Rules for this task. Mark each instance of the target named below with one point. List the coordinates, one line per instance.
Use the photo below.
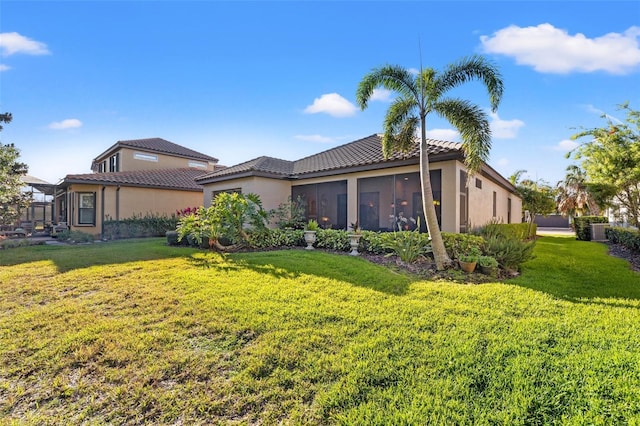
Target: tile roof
(160, 146)
(362, 152)
(181, 179)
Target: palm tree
(421, 94)
(574, 195)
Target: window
(102, 167)
(145, 157)
(394, 202)
(197, 164)
(478, 183)
(86, 208)
(114, 163)
(214, 194)
(324, 202)
(495, 203)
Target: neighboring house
(354, 182)
(134, 177)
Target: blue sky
(237, 80)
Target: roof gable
(160, 146)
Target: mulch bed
(618, 250)
(426, 269)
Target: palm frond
(391, 77)
(470, 68)
(473, 124)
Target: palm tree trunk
(437, 244)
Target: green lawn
(137, 332)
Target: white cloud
(504, 129)
(566, 145)
(383, 95)
(314, 138)
(69, 123)
(4, 67)
(443, 134)
(551, 50)
(11, 43)
(332, 104)
(503, 162)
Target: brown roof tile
(181, 179)
(160, 146)
(362, 152)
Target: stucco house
(133, 177)
(355, 182)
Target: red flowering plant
(186, 211)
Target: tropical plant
(407, 245)
(574, 196)
(12, 199)
(312, 225)
(419, 95)
(612, 157)
(290, 214)
(226, 223)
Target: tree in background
(425, 93)
(12, 199)
(612, 158)
(538, 197)
(575, 196)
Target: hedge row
(150, 225)
(582, 226)
(627, 237)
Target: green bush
(172, 238)
(149, 225)
(460, 244)
(275, 238)
(629, 238)
(75, 237)
(333, 239)
(407, 245)
(582, 226)
(517, 230)
(510, 252)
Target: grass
(138, 332)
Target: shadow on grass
(579, 271)
(70, 257)
(351, 269)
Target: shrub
(459, 244)
(333, 239)
(629, 238)
(226, 224)
(374, 242)
(290, 214)
(582, 226)
(275, 238)
(407, 245)
(149, 225)
(517, 230)
(172, 238)
(75, 237)
(487, 261)
(510, 252)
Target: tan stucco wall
(132, 201)
(272, 192)
(129, 163)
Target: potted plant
(488, 265)
(354, 239)
(310, 233)
(469, 260)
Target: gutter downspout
(102, 213)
